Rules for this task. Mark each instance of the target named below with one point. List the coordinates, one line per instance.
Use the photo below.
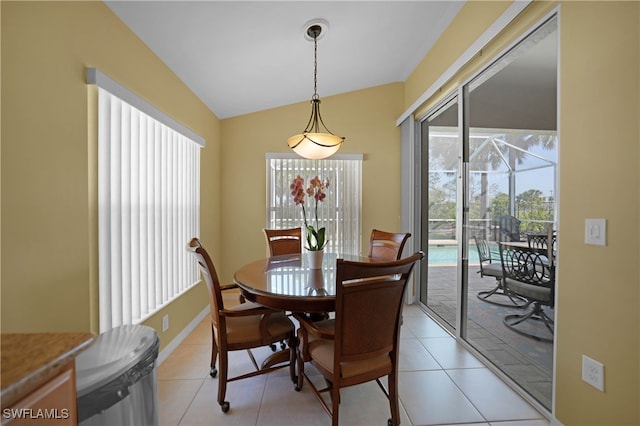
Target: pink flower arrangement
(316, 190)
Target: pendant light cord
(315, 67)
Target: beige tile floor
(440, 383)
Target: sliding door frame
(462, 215)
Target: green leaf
(320, 239)
(315, 239)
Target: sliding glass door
(440, 165)
(488, 175)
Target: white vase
(314, 259)
(315, 286)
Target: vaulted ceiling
(240, 57)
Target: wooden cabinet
(52, 403)
(39, 378)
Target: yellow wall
(365, 117)
(472, 20)
(48, 174)
(598, 298)
(48, 159)
(599, 178)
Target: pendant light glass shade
(316, 141)
(315, 146)
(312, 143)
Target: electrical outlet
(593, 373)
(165, 323)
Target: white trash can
(116, 378)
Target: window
(340, 212)
(148, 205)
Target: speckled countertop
(29, 358)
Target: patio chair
(361, 344)
(541, 241)
(490, 268)
(531, 275)
(506, 228)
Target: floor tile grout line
(191, 402)
(475, 407)
(430, 353)
(186, 410)
(446, 371)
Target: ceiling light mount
(316, 141)
(315, 29)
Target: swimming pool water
(449, 254)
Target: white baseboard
(164, 354)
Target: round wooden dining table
(288, 283)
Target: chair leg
(213, 372)
(292, 357)
(335, 405)
(499, 290)
(300, 364)
(537, 314)
(222, 381)
(393, 400)
(300, 376)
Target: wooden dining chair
(387, 246)
(242, 327)
(361, 343)
(284, 241)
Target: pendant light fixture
(316, 141)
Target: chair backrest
(387, 246)
(507, 228)
(369, 299)
(210, 277)
(541, 241)
(484, 253)
(528, 266)
(284, 241)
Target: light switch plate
(595, 232)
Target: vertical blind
(340, 212)
(148, 210)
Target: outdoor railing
(445, 229)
